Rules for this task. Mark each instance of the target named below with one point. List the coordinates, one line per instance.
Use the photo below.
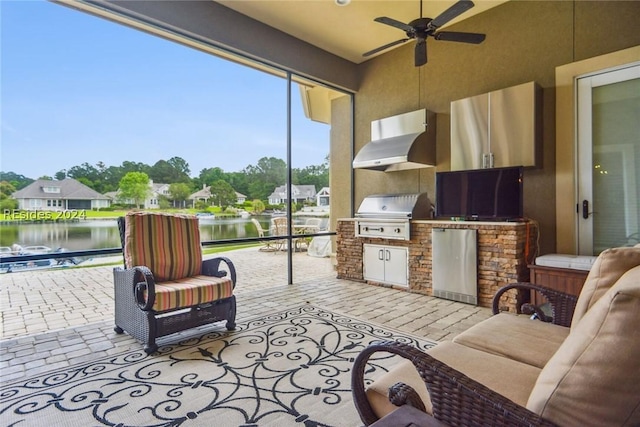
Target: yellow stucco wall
(525, 41)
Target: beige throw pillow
(606, 270)
(594, 377)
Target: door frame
(584, 158)
(566, 139)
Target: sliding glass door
(608, 159)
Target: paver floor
(56, 318)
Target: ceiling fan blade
(386, 46)
(397, 24)
(458, 8)
(420, 52)
(452, 36)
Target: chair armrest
(143, 280)
(211, 267)
(135, 280)
(456, 398)
(401, 394)
(562, 305)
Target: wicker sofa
(166, 286)
(581, 369)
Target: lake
(102, 234)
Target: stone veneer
(504, 251)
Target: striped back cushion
(168, 244)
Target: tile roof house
(61, 195)
(299, 193)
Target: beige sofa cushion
(606, 270)
(594, 377)
(507, 377)
(515, 336)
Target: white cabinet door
(386, 264)
(396, 265)
(373, 262)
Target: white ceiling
(346, 31)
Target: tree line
(255, 181)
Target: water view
(102, 234)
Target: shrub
(201, 205)
(8, 204)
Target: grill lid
(410, 206)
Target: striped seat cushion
(190, 291)
(168, 244)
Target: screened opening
(221, 136)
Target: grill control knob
(397, 230)
(366, 228)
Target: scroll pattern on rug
(290, 368)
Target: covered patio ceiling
(318, 39)
(350, 30)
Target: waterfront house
(299, 194)
(323, 198)
(156, 192)
(205, 194)
(67, 194)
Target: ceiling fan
(422, 28)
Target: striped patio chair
(165, 285)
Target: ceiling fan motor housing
(421, 28)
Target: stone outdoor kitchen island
(504, 250)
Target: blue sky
(77, 88)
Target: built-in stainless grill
(388, 216)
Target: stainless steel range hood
(406, 141)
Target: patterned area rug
(287, 369)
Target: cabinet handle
(487, 160)
(388, 254)
(381, 255)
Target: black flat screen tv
(480, 194)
